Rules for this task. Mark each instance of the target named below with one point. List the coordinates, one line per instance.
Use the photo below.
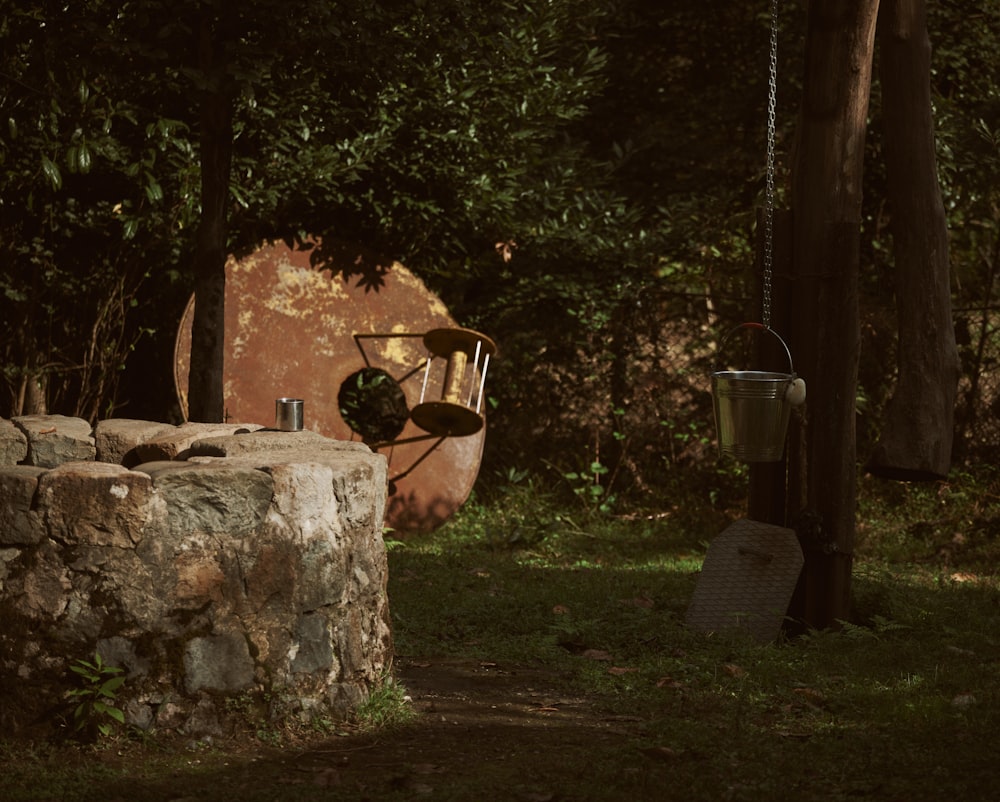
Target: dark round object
(373, 405)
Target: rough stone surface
(13, 443)
(20, 522)
(269, 440)
(117, 438)
(55, 439)
(256, 567)
(94, 503)
(175, 442)
(219, 498)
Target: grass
(901, 703)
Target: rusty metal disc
(299, 322)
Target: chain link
(769, 190)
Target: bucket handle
(757, 327)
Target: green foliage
(405, 135)
(386, 706)
(576, 178)
(83, 167)
(954, 522)
(95, 711)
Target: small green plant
(95, 711)
(386, 706)
(523, 518)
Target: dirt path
(485, 726)
(483, 731)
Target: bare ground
(482, 730)
(483, 725)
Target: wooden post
(825, 327)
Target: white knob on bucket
(795, 394)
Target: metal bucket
(751, 409)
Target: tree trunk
(205, 397)
(825, 330)
(918, 429)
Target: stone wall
(210, 562)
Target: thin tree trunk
(205, 395)
(825, 329)
(917, 433)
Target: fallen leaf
(639, 601)
(963, 700)
(596, 654)
(560, 609)
(669, 682)
(619, 670)
(734, 670)
(326, 778)
(798, 736)
(811, 697)
(427, 768)
(664, 753)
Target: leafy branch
(97, 696)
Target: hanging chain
(772, 92)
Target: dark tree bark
(824, 326)
(918, 428)
(205, 395)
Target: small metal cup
(288, 414)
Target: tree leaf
(52, 173)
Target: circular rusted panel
(290, 331)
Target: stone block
(218, 663)
(256, 566)
(213, 498)
(20, 523)
(95, 503)
(55, 439)
(359, 478)
(13, 443)
(117, 439)
(176, 442)
(270, 440)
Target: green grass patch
(900, 703)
